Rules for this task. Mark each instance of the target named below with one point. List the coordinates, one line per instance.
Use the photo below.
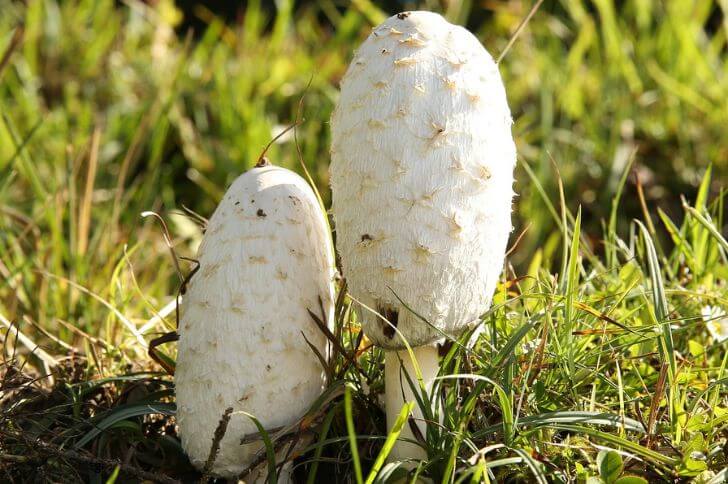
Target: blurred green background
(109, 109)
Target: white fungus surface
(421, 175)
(265, 259)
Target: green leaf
(610, 465)
(692, 467)
(630, 480)
(695, 348)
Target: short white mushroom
(266, 258)
(421, 176)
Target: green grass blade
(351, 431)
(570, 289)
(659, 301)
(124, 412)
(270, 451)
(402, 419)
(710, 226)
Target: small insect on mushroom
(245, 348)
(455, 133)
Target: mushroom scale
(265, 259)
(421, 178)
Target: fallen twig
(216, 439)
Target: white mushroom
(265, 259)
(421, 175)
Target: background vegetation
(111, 109)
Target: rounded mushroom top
(421, 178)
(265, 260)
(419, 54)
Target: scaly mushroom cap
(421, 175)
(265, 259)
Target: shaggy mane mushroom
(421, 177)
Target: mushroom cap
(265, 259)
(421, 178)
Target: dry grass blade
(519, 29)
(518, 240)
(350, 358)
(262, 160)
(326, 331)
(538, 362)
(167, 240)
(125, 321)
(91, 339)
(655, 405)
(50, 336)
(48, 361)
(324, 364)
(160, 315)
(155, 354)
(15, 42)
(84, 217)
(415, 429)
(300, 120)
(129, 157)
(196, 217)
(182, 290)
(603, 317)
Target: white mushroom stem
(397, 391)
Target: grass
(595, 361)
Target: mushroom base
(398, 364)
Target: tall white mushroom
(421, 175)
(265, 259)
